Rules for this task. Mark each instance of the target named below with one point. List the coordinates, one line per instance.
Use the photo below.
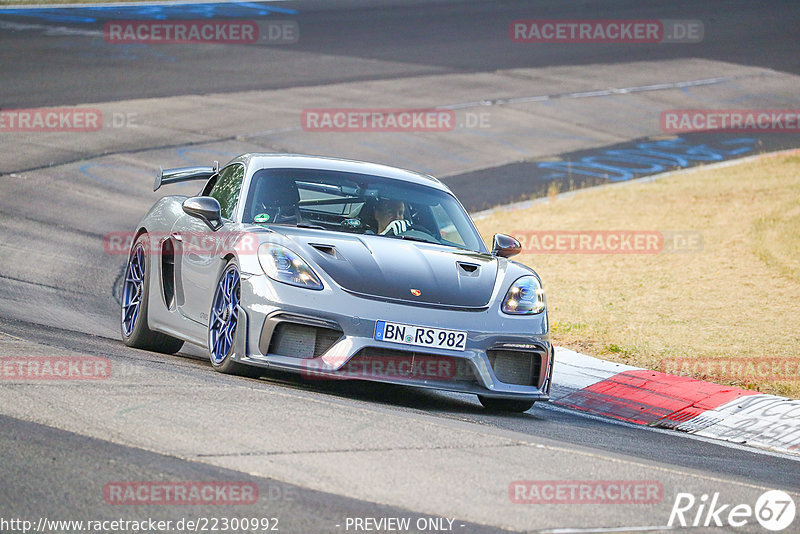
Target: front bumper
(505, 356)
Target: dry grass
(737, 298)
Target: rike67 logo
(774, 510)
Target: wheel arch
(141, 230)
(223, 262)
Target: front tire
(505, 405)
(135, 302)
(223, 323)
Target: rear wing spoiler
(184, 174)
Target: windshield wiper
(444, 244)
(412, 238)
(300, 225)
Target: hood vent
(330, 250)
(468, 269)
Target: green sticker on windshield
(261, 217)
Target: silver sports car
(336, 269)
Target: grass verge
(728, 313)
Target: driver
(389, 214)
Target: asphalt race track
(348, 41)
(322, 454)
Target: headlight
(283, 265)
(525, 297)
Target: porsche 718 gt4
(336, 269)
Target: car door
(199, 245)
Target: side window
(226, 189)
(447, 229)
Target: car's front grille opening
(521, 368)
(377, 362)
(302, 341)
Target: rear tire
(135, 302)
(223, 323)
(505, 405)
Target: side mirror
(206, 209)
(505, 246)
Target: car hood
(399, 269)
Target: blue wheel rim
(224, 315)
(133, 289)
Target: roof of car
(302, 161)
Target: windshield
(359, 204)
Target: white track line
(593, 93)
(713, 441)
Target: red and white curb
(646, 397)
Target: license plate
(420, 336)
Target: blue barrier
(620, 165)
(91, 14)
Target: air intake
(515, 367)
(302, 341)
